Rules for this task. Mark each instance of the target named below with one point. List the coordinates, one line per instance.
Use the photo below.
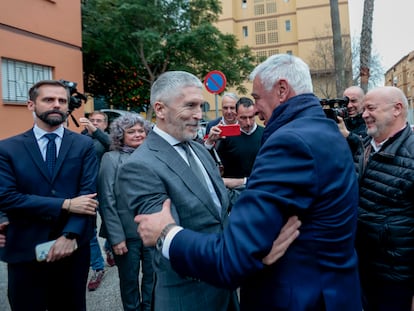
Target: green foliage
(147, 38)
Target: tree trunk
(365, 44)
(337, 48)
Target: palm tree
(337, 48)
(365, 43)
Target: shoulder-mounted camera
(335, 107)
(76, 98)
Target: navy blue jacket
(32, 200)
(303, 168)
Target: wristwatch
(161, 238)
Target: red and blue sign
(215, 82)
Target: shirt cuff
(168, 239)
(208, 146)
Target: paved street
(105, 298)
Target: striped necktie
(193, 164)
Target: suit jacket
(33, 200)
(303, 168)
(212, 123)
(117, 218)
(155, 172)
(101, 142)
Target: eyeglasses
(97, 120)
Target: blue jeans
(97, 261)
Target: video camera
(75, 100)
(335, 107)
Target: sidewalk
(105, 298)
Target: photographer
(95, 125)
(353, 128)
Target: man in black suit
(47, 191)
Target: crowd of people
(303, 213)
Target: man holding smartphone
(228, 109)
(238, 152)
(47, 191)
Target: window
(289, 52)
(261, 55)
(245, 31)
(271, 8)
(272, 37)
(18, 77)
(260, 26)
(259, 9)
(273, 52)
(287, 25)
(261, 39)
(244, 4)
(272, 24)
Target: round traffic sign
(215, 82)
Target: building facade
(40, 39)
(298, 27)
(401, 75)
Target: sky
(392, 26)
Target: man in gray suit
(168, 165)
(158, 170)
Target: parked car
(113, 114)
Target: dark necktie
(193, 164)
(51, 152)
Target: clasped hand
(151, 225)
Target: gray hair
(170, 84)
(231, 95)
(121, 124)
(284, 66)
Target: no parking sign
(215, 82)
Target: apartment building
(298, 27)
(401, 75)
(40, 39)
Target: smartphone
(230, 130)
(43, 249)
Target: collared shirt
(225, 123)
(173, 142)
(377, 147)
(251, 131)
(42, 140)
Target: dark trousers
(55, 286)
(128, 271)
(386, 296)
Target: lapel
(170, 157)
(66, 145)
(213, 173)
(33, 150)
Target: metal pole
(216, 100)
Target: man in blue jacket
(303, 168)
